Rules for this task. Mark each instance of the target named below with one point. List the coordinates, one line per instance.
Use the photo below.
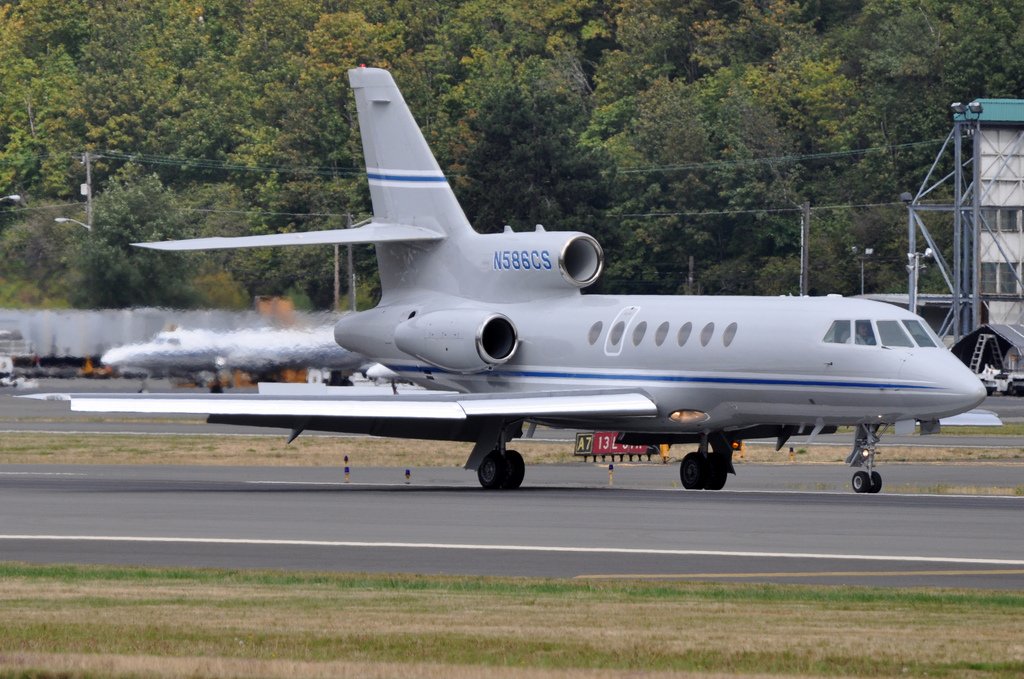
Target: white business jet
(186, 352)
(498, 324)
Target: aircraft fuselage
(742, 361)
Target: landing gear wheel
(876, 482)
(862, 482)
(715, 473)
(493, 470)
(515, 468)
(693, 471)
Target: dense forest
(668, 129)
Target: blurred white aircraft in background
(260, 352)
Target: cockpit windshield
(890, 333)
(863, 332)
(920, 334)
(838, 333)
(893, 335)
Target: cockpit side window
(919, 334)
(863, 332)
(838, 333)
(892, 334)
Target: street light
(64, 220)
(914, 267)
(867, 253)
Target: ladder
(979, 352)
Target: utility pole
(337, 283)
(689, 278)
(87, 188)
(351, 272)
(805, 239)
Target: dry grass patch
(330, 451)
(89, 620)
(307, 451)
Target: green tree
(110, 272)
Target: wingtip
(45, 397)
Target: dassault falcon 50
(497, 324)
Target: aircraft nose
(964, 384)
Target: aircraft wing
(443, 406)
(374, 232)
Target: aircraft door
(617, 331)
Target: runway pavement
(774, 523)
(561, 524)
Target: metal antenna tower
(984, 276)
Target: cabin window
(863, 333)
(729, 334)
(638, 333)
(616, 333)
(661, 333)
(919, 334)
(595, 332)
(838, 333)
(892, 335)
(706, 333)
(684, 333)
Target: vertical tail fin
(407, 185)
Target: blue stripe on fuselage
(682, 379)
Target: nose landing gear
(863, 455)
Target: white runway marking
(516, 548)
(42, 474)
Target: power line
(266, 213)
(751, 211)
(212, 164)
(712, 164)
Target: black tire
(715, 473)
(516, 470)
(876, 482)
(492, 471)
(693, 471)
(861, 482)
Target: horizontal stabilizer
(374, 232)
(425, 405)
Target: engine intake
(581, 261)
(460, 340)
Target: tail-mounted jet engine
(460, 340)
(533, 261)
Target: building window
(1007, 279)
(1007, 220)
(988, 278)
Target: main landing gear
(701, 469)
(863, 455)
(498, 470)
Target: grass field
(101, 621)
(76, 621)
(36, 448)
